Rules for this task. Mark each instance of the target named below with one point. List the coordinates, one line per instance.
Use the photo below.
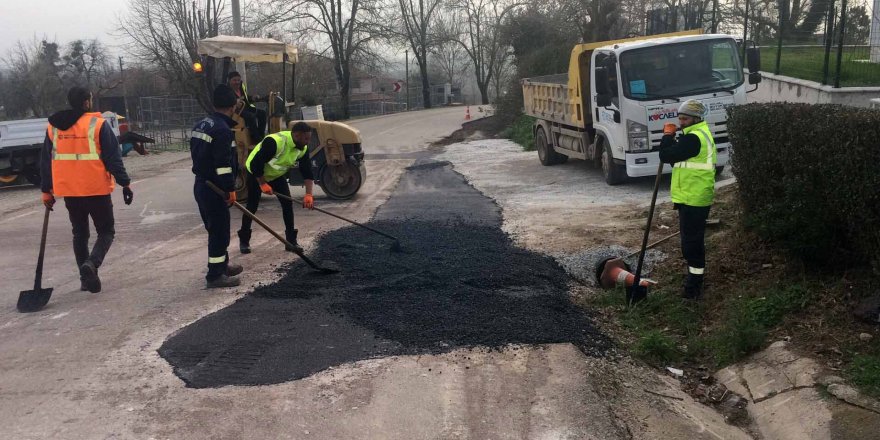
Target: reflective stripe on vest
(203, 136)
(93, 146)
(693, 180)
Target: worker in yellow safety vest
(693, 157)
(268, 166)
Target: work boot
(223, 281)
(233, 269)
(82, 285)
(88, 273)
(290, 235)
(693, 287)
(244, 241)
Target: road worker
(267, 166)
(211, 146)
(254, 118)
(80, 159)
(693, 156)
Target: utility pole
(236, 30)
(407, 80)
(124, 89)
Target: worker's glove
(266, 189)
(309, 202)
(48, 200)
(669, 129)
(127, 195)
(230, 199)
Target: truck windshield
(677, 70)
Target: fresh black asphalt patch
(460, 282)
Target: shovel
(312, 264)
(34, 300)
(395, 247)
(637, 292)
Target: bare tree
(481, 39)
(348, 28)
(88, 63)
(446, 52)
(165, 34)
(418, 18)
(34, 86)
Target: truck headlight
(637, 134)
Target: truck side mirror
(755, 78)
(603, 91)
(753, 59)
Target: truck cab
(629, 89)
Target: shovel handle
(339, 217)
(38, 279)
(256, 219)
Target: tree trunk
(345, 94)
(484, 91)
(426, 85)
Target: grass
(520, 131)
(864, 372)
(742, 309)
(667, 328)
(808, 63)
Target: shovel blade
(33, 300)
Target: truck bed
(550, 98)
(22, 133)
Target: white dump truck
(21, 142)
(611, 105)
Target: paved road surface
(87, 366)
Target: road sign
(397, 86)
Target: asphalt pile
(460, 282)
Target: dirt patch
(483, 128)
(462, 282)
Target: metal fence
(834, 42)
(169, 120)
(831, 43)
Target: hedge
(808, 178)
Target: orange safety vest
(77, 169)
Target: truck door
(609, 111)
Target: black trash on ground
(461, 283)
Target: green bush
(520, 131)
(808, 178)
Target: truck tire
(614, 174)
(546, 154)
(32, 175)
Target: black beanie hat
(224, 97)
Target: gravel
(584, 266)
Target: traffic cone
(615, 274)
(467, 114)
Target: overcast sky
(61, 20)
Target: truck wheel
(546, 154)
(32, 175)
(614, 174)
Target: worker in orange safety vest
(79, 161)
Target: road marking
(172, 240)
(19, 216)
